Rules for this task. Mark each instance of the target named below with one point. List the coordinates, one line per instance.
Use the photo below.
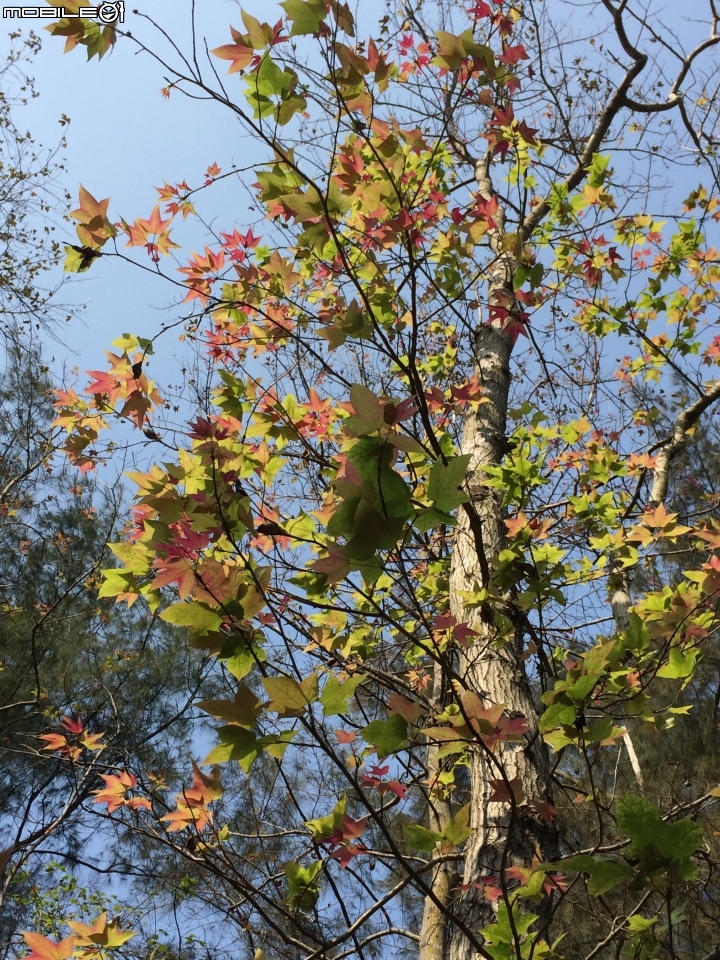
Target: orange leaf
(54, 741)
(45, 949)
(115, 789)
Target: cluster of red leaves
(192, 803)
(115, 791)
(81, 740)
(375, 778)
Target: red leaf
(74, 726)
(511, 55)
(546, 810)
(503, 792)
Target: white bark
(494, 671)
(490, 667)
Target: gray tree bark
(503, 834)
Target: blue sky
(123, 140)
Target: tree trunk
(434, 930)
(502, 836)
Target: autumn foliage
(437, 576)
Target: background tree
(32, 202)
(83, 688)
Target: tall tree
(402, 517)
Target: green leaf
(433, 518)
(458, 830)
(269, 79)
(369, 412)
(532, 888)
(502, 932)
(288, 108)
(606, 874)
(303, 884)
(275, 744)
(596, 657)
(335, 697)
(600, 730)
(243, 710)
(78, 261)
(257, 32)
(583, 687)
(197, 616)
(420, 838)
(237, 744)
(644, 825)
(639, 820)
(445, 480)
(323, 827)
(372, 458)
(681, 839)
(288, 697)
(117, 581)
(598, 169)
(342, 522)
(386, 736)
(558, 715)
(306, 16)
(679, 666)
(602, 874)
(373, 532)
(241, 663)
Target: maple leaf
(240, 53)
(335, 566)
(444, 622)
(504, 792)
(345, 853)
(512, 55)
(113, 793)
(42, 948)
(73, 726)
(55, 741)
(480, 10)
(93, 741)
(93, 229)
(464, 633)
(192, 803)
(407, 709)
(492, 892)
(345, 736)
(471, 392)
(136, 407)
(374, 778)
(341, 840)
(546, 810)
(99, 934)
(711, 535)
(141, 230)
